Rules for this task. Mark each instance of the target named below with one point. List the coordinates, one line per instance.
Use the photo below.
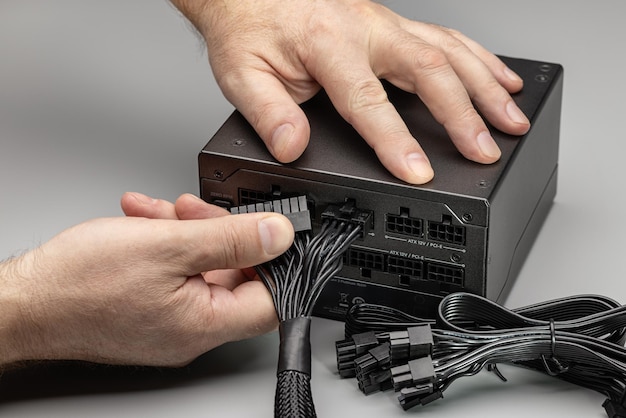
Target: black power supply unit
(469, 229)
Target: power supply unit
(469, 229)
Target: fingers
(235, 241)
(417, 66)
(140, 205)
(450, 76)
(245, 312)
(505, 76)
(187, 206)
(271, 110)
(361, 99)
(486, 78)
(213, 239)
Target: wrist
(13, 346)
(204, 14)
(191, 8)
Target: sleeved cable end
(294, 208)
(348, 212)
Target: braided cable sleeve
(293, 395)
(293, 387)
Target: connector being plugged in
(294, 208)
(348, 212)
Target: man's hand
(268, 56)
(159, 287)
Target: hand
(268, 56)
(130, 290)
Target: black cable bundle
(295, 281)
(578, 339)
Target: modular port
(445, 231)
(405, 267)
(251, 197)
(404, 224)
(365, 259)
(445, 274)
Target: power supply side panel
(523, 198)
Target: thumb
(234, 241)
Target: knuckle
(260, 115)
(234, 246)
(430, 60)
(453, 33)
(490, 93)
(461, 113)
(366, 96)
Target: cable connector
(372, 364)
(349, 349)
(378, 381)
(416, 372)
(294, 208)
(418, 395)
(348, 212)
(415, 342)
(614, 409)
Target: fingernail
(515, 113)
(420, 166)
(488, 146)
(512, 75)
(282, 137)
(275, 238)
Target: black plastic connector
(349, 349)
(416, 341)
(614, 409)
(416, 372)
(371, 368)
(375, 358)
(348, 212)
(418, 395)
(294, 208)
(376, 382)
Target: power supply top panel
(336, 149)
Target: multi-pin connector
(294, 208)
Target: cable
(579, 339)
(295, 281)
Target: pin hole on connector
(349, 212)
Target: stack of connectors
(579, 339)
(371, 357)
(295, 280)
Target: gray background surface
(101, 97)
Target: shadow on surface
(71, 378)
